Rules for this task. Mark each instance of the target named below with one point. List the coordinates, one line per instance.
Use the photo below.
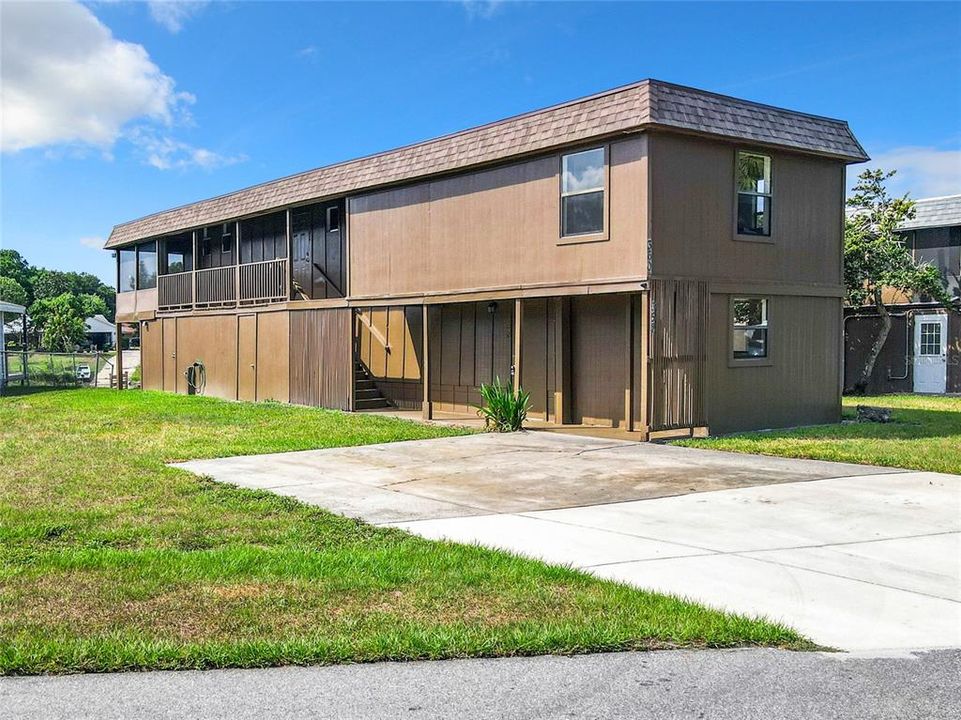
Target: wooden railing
(215, 287)
(255, 283)
(263, 282)
(175, 291)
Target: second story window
(753, 185)
(582, 193)
(147, 266)
(127, 275)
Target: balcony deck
(249, 284)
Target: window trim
(734, 362)
(604, 234)
(746, 237)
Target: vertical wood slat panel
(678, 343)
(320, 358)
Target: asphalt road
(670, 684)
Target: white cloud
(164, 152)
(172, 14)
(92, 242)
(68, 84)
(66, 79)
(922, 171)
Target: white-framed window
(754, 194)
(930, 338)
(749, 332)
(583, 176)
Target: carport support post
(426, 408)
(118, 365)
(518, 319)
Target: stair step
(368, 394)
(365, 385)
(371, 404)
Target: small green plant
(503, 410)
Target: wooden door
(247, 357)
(171, 365)
(599, 359)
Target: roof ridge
(742, 101)
(938, 197)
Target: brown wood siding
(468, 346)
(395, 366)
(171, 376)
(321, 366)
(954, 352)
(151, 355)
(894, 368)
(273, 356)
(538, 366)
(692, 215)
(599, 359)
(213, 341)
(800, 386)
(680, 315)
(247, 357)
(496, 228)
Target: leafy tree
(51, 284)
(63, 328)
(12, 292)
(14, 266)
(875, 257)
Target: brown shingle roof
(631, 108)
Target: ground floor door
(600, 359)
(930, 353)
(170, 354)
(247, 357)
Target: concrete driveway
(855, 557)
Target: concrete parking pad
(855, 557)
(503, 473)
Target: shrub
(503, 409)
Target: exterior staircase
(366, 394)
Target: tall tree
(12, 292)
(875, 258)
(14, 266)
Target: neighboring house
(653, 258)
(11, 325)
(101, 333)
(923, 350)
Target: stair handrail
(373, 331)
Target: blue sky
(152, 105)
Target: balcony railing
(257, 283)
(263, 282)
(175, 291)
(215, 287)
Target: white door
(930, 353)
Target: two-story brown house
(923, 350)
(654, 258)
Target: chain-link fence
(37, 368)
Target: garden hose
(196, 376)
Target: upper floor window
(749, 338)
(582, 193)
(127, 277)
(147, 266)
(333, 218)
(754, 190)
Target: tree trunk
(878, 342)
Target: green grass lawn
(110, 560)
(925, 435)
